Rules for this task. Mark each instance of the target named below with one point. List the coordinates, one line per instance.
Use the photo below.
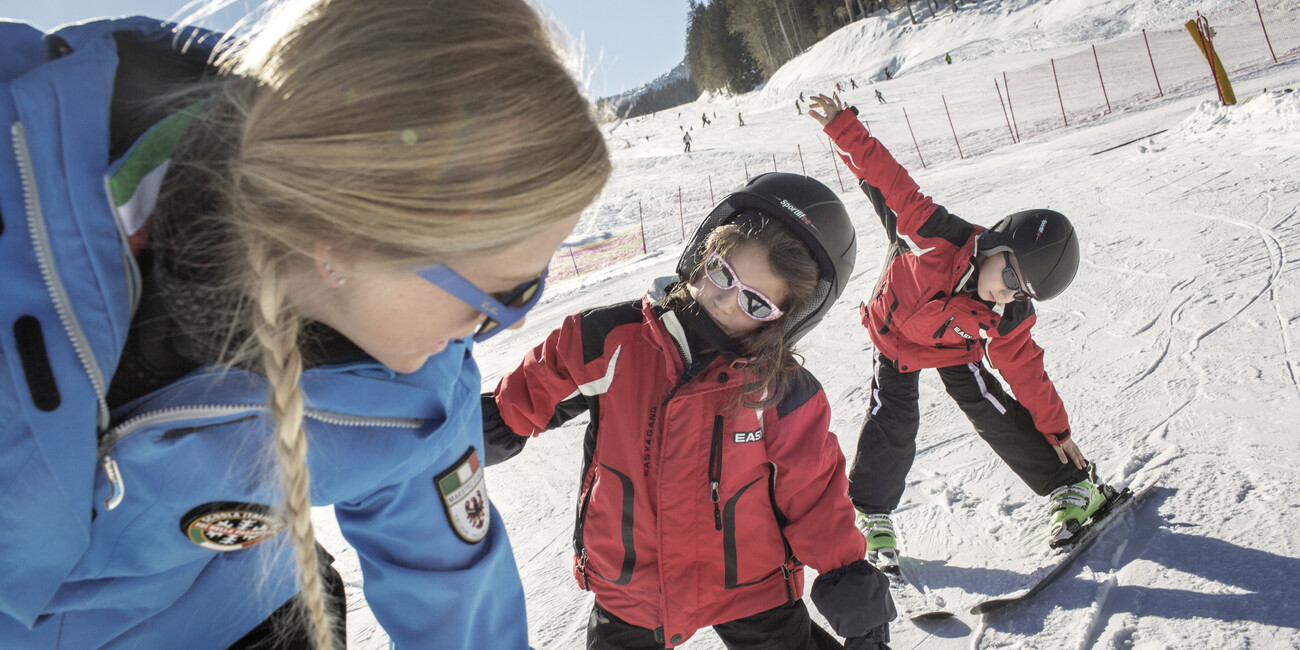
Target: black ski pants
(787, 627)
(887, 441)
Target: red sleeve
(1020, 361)
(549, 374)
(870, 161)
(812, 486)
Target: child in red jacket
(950, 293)
(710, 476)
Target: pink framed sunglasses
(755, 305)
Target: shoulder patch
(464, 497)
(946, 226)
(599, 322)
(798, 390)
(1014, 315)
(230, 526)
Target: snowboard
(1114, 509)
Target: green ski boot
(882, 546)
(1071, 506)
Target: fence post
(1004, 110)
(680, 212)
(747, 171)
(801, 165)
(914, 144)
(641, 212)
(1058, 93)
(575, 262)
(953, 128)
(711, 199)
(1261, 26)
(1099, 78)
(774, 163)
(1010, 106)
(1153, 63)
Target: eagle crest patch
(463, 490)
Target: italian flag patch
(463, 490)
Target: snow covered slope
(1177, 349)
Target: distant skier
(952, 293)
(838, 87)
(741, 119)
(888, 74)
(797, 107)
(852, 83)
(704, 119)
(880, 98)
(687, 139)
(947, 58)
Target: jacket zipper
(50, 274)
(715, 470)
(180, 413)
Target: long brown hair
(771, 359)
(415, 130)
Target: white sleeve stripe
(600, 386)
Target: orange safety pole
(575, 261)
(1004, 110)
(680, 212)
(837, 170)
(746, 171)
(1010, 106)
(1103, 81)
(1058, 93)
(774, 163)
(1153, 63)
(641, 211)
(1261, 26)
(914, 144)
(711, 199)
(953, 128)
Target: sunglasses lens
(755, 305)
(487, 329)
(718, 272)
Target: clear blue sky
(628, 42)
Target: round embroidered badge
(227, 526)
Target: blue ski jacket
(154, 525)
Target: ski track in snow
(1174, 350)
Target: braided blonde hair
(413, 130)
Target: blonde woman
(243, 278)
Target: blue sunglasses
(502, 309)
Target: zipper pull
(713, 496)
(582, 569)
(115, 481)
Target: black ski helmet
(1045, 246)
(813, 213)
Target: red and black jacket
(692, 510)
(921, 314)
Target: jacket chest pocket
(945, 324)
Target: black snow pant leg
(1008, 428)
(608, 632)
(786, 627)
(887, 441)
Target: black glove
(876, 639)
(855, 600)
